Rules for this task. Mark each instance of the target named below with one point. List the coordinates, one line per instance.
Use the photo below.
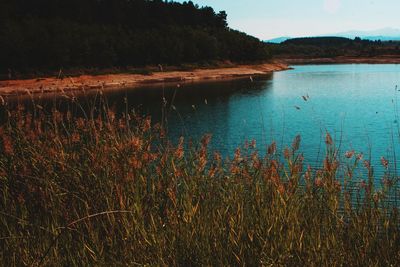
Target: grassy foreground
(113, 191)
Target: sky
(267, 19)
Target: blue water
(356, 104)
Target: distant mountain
(277, 40)
(382, 38)
(384, 34)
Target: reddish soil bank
(118, 81)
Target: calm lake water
(356, 104)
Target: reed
(113, 190)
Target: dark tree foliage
(313, 47)
(53, 34)
(319, 41)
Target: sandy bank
(390, 59)
(118, 81)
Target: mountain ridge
(383, 34)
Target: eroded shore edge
(120, 81)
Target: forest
(330, 47)
(47, 35)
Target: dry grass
(113, 191)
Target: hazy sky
(268, 19)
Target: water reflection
(191, 110)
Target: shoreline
(126, 80)
(91, 82)
(390, 59)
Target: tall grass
(107, 190)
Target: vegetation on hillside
(53, 34)
(107, 190)
(317, 47)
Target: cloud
(332, 6)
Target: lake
(356, 104)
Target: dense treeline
(333, 47)
(53, 34)
(319, 41)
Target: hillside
(332, 47)
(52, 34)
(383, 34)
